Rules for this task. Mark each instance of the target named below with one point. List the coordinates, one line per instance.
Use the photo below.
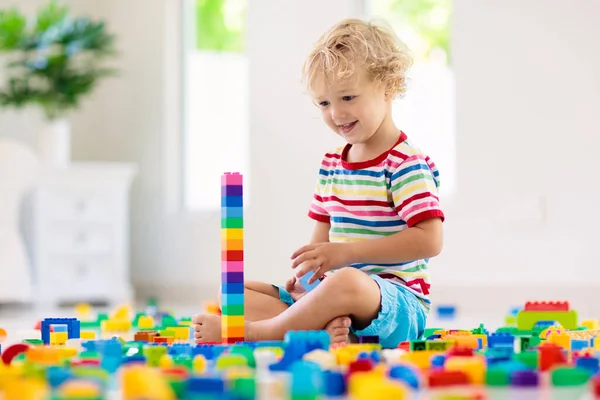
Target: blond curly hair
(354, 42)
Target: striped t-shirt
(379, 197)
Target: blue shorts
(401, 317)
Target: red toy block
(11, 352)
(232, 255)
(404, 346)
(461, 351)
(362, 365)
(596, 386)
(547, 306)
(551, 355)
(439, 378)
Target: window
(426, 113)
(215, 83)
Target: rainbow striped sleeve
(414, 185)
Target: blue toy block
(298, 343)
(501, 340)
(60, 328)
(335, 384)
(231, 298)
(73, 328)
(232, 287)
(232, 201)
(579, 344)
(304, 281)
(232, 212)
(446, 311)
(406, 374)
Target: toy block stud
(232, 258)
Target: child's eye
(348, 98)
(323, 104)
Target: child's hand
(320, 258)
(294, 288)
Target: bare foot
(207, 328)
(339, 329)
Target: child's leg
(261, 301)
(346, 292)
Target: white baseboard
(479, 300)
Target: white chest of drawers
(81, 234)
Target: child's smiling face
(354, 108)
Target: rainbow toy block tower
(232, 258)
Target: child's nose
(337, 113)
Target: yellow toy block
(232, 321)
(560, 339)
(79, 389)
(122, 312)
(373, 386)
(181, 332)
(146, 322)
(420, 359)
(87, 335)
(20, 389)
(469, 341)
(142, 382)
(115, 325)
(83, 311)
(199, 364)
(347, 354)
(232, 234)
(58, 338)
(591, 324)
(474, 367)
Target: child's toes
(198, 319)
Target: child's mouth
(347, 127)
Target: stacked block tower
(232, 258)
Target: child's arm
(423, 240)
(320, 232)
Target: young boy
(376, 207)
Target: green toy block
(233, 309)
(437, 345)
(418, 345)
(528, 319)
(235, 223)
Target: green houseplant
(53, 61)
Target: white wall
(528, 95)
(527, 99)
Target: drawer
(61, 205)
(75, 238)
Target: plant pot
(55, 143)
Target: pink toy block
(232, 266)
(232, 178)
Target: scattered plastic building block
(368, 339)
(73, 328)
(526, 320)
(232, 258)
(304, 281)
(446, 311)
(547, 306)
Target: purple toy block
(232, 277)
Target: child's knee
(348, 280)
